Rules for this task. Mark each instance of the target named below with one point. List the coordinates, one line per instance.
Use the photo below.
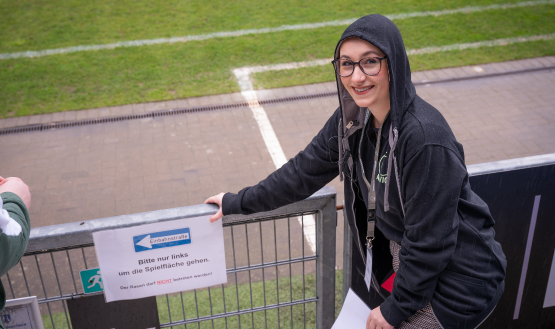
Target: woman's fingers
(376, 320)
(369, 323)
(217, 216)
(217, 199)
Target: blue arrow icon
(163, 239)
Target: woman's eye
(370, 61)
(347, 63)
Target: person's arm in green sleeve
(15, 226)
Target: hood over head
(384, 34)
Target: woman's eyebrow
(364, 54)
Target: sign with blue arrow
(163, 239)
(128, 272)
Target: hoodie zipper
(356, 227)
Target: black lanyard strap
(371, 218)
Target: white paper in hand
(354, 313)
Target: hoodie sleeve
(432, 181)
(299, 178)
(15, 228)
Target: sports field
(87, 54)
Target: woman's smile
(362, 90)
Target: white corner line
(270, 139)
(238, 33)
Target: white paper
(354, 313)
(161, 258)
(368, 272)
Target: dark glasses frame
(337, 68)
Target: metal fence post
(325, 273)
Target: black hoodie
(424, 202)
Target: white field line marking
(489, 43)
(238, 33)
(270, 139)
(243, 74)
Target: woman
(430, 228)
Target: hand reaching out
(18, 187)
(217, 199)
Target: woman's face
(367, 91)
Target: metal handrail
(61, 236)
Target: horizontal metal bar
(241, 312)
(47, 251)
(66, 297)
(80, 233)
(272, 264)
(260, 217)
(512, 164)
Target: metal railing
(276, 277)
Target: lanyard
(371, 218)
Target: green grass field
(300, 316)
(120, 76)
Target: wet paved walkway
(111, 169)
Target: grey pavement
(111, 169)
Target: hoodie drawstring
(340, 139)
(393, 137)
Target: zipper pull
(350, 124)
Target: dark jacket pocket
(461, 293)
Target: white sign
(161, 258)
(22, 313)
(354, 313)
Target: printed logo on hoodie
(382, 169)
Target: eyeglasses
(369, 66)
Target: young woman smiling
(414, 217)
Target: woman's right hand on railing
(217, 199)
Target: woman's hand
(18, 187)
(217, 199)
(376, 320)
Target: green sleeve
(12, 247)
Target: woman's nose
(358, 75)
